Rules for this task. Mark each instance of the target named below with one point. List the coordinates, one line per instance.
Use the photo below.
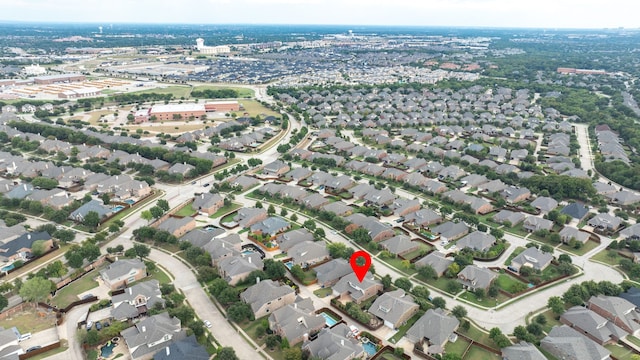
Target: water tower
(199, 44)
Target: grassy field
(225, 209)
(186, 211)
(255, 108)
(588, 246)
(458, 347)
(167, 129)
(478, 353)
(551, 320)
(603, 256)
(485, 301)
(30, 320)
(95, 115)
(160, 275)
(242, 92)
(177, 91)
(506, 282)
(69, 293)
(619, 352)
(323, 292)
(403, 329)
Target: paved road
(67, 330)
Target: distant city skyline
(549, 14)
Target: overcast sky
(485, 13)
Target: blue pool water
(117, 208)
(107, 350)
(370, 348)
(130, 201)
(247, 252)
(328, 319)
(8, 267)
(289, 264)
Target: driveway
(42, 338)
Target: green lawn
(458, 347)
(225, 209)
(397, 263)
(619, 352)
(603, 256)
(63, 347)
(551, 320)
(177, 91)
(254, 108)
(186, 211)
(160, 275)
(507, 282)
(69, 293)
(323, 292)
(121, 214)
(30, 320)
(242, 92)
(422, 249)
(515, 253)
(228, 218)
(404, 328)
(440, 283)
(478, 353)
(250, 328)
(588, 246)
(634, 340)
(478, 336)
(485, 301)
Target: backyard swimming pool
(289, 264)
(370, 348)
(8, 267)
(328, 319)
(107, 349)
(130, 201)
(117, 208)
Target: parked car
(25, 336)
(207, 323)
(33, 348)
(87, 296)
(207, 184)
(106, 324)
(89, 324)
(98, 326)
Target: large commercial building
(174, 111)
(221, 106)
(62, 78)
(212, 50)
(82, 92)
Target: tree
(239, 312)
(453, 286)
(3, 302)
(292, 353)
(386, 281)
(163, 204)
(227, 353)
(146, 215)
(92, 219)
(156, 212)
(93, 338)
(283, 212)
(318, 233)
(75, 260)
(297, 272)
(38, 248)
(459, 312)
(403, 283)
(272, 341)
(540, 319)
(310, 225)
(556, 304)
(271, 210)
(294, 217)
(427, 272)
(258, 205)
(141, 250)
(36, 289)
(439, 302)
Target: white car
(207, 323)
(24, 337)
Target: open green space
(507, 282)
(250, 327)
(186, 211)
(458, 347)
(422, 249)
(323, 292)
(588, 246)
(552, 320)
(619, 352)
(253, 108)
(478, 353)
(242, 92)
(225, 209)
(30, 320)
(177, 91)
(485, 301)
(69, 293)
(634, 340)
(160, 275)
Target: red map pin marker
(357, 266)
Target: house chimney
(29, 236)
(258, 280)
(342, 342)
(130, 291)
(168, 351)
(249, 259)
(144, 329)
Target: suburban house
(249, 216)
(423, 218)
(450, 231)
(339, 208)
(244, 182)
(178, 226)
(632, 295)
(533, 223)
(513, 195)
(9, 347)
(136, 300)
(276, 168)
(531, 257)
(477, 240)
(592, 325)
(208, 203)
(201, 237)
(605, 222)
(151, 335)
(631, 233)
(522, 351)
(400, 245)
(394, 308)
(123, 272)
(270, 226)
(508, 216)
(187, 348)
(544, 204)
(308, 253)
(564, 342)
(568, 233)
(377, 230)
(19, 248)
(330, 272)
(433, 330)
(403, 207)
(336, 343)
(94, 205)
(292, 238)
(234, 269)
(268, 296)
(473, 277)
(617, 310)
(349, 288)
(437, 261)
(220, 248)
(576, 211)
(296, 321)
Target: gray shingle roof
(263, 292)
(566, 343)
(434, 326)
(392, 306)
